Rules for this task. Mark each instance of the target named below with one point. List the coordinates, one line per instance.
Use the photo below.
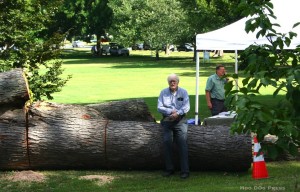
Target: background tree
(208, 15)
(268, 65)
(154, 22)
(70, 19)
(99, 18)
(81, 19)
(22, 45)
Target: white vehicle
(78, 44)
(118, 50)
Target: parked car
(171, 47)
(78, 44)
(185, 47)
(138, 46)
(106, 48)
(118, 50)
(146, 46)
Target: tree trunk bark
(127, 110)
(14, 89)
(215, 148)
(13, 142)
(60, 136)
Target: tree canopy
(171, 21)
(175, 21)
(208, 15)
(23, 46)
(155, 22)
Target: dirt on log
(13, 89)
(58, 136)
(126, 110)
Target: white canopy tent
(234, 36)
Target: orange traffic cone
(259, 170)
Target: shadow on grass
(86, 55)
(120, 61)
(72, 56)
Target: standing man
(215, 93)
(173, 104)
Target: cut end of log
(15, 91)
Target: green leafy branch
(269, 65)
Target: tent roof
(234, 36)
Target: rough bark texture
(13, 89)
(127, 110)
(72, 136)
(13, 143)
(65, 136)
(218, 121)
(214, 148)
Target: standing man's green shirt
(214, 91)
(215, 85)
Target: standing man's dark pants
(217, 106)
(178, 131)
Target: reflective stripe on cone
(259, 169)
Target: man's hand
(209, 105)
(174, 114)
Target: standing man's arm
(208, 88)
(207, 94)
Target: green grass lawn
(101, 79)
(284, 176)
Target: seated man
(173, 104)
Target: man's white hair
(173, 76)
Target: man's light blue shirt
(168, 101)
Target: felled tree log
(65, 136)
(127, 110)
(13, 142)
(13, 88)
(72, 136)
(213, 147)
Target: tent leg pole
(236, 80)
(197, 88)
(236, 72)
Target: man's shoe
(168, 173)
(184, 175)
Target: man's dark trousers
(176, 130)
